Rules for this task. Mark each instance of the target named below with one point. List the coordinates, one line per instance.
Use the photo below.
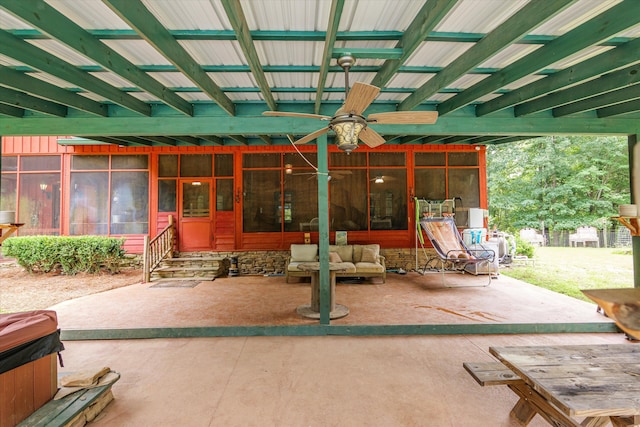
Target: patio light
(347, 129)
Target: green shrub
(524, 248)
(69, 255)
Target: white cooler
(474, 236)
(484, 268)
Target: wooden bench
(74, 410)
(491, 373)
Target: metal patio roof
(201, 72)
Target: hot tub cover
(27, 336)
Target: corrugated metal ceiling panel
(576, 14)
(437, 54)
(200, 15)
(90, 14)
(376, 15)
(139, 52)
(62, 51)
(473, 16)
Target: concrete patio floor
(312, 380)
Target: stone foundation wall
(274, 262)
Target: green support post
(323, 229)
(634, 186)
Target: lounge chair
(452, 253)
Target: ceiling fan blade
(371, 137)
(289, 114)
(312, 136)
(405, 117)
(360, 96)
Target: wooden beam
(607, 24)
(327, 53)
(532, 15)
(39, 59)
(41, 15)
(243, 33)
(134, 13)
(621, 56)
(22, 100)
(430, 15)
(625, 94)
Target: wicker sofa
(357, 260)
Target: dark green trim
(599, 101)
(243, 33)
(607, 24)
(430, 15)
(530, 16)
(337, 330)
(22, 100)
(617, 109)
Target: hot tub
(29, 343)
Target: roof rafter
(41, 15)
(134, 13)
(330, 39)
(23, 100)
(625, 54)
(42, 89)
(530, 16)
(603, 26)
(621, 108)
(599, 101)
(9, 110)
(430, 15)
(26, 53)
(243, 33)
(609, 82)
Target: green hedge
(69, 255)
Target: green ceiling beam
(239, 139)
(599, 101)
(327, 53)
(609, 82)
(367, 53)
(258, 125)
(430, 15)
(22, 100)
(241, 27)
(41, 15)
(618, 109)
(612, 21)
(40, 60)
(513, 139)
(134, 13)
(161, 140)
(530, 16)
(214, 140)
(187, 140)
(456, 139)
(42, 89)
(91, 141)
(11, 111)
(280, 35)
(621, 56)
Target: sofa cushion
(369, 255)
(369, 267)
(357, 252)
(334, 257)
(304, 253)
(345, 252)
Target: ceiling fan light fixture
(379, 180)
(288, 169)
(347, 129)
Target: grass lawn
(567, 270)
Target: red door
(195, 215)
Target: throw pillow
(369, 255)
(334, 257)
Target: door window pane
(89, 204)
(192, 165)
(129, 202)
(195, 199)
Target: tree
(561, 182)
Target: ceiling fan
(338, 173)
(348, 122)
